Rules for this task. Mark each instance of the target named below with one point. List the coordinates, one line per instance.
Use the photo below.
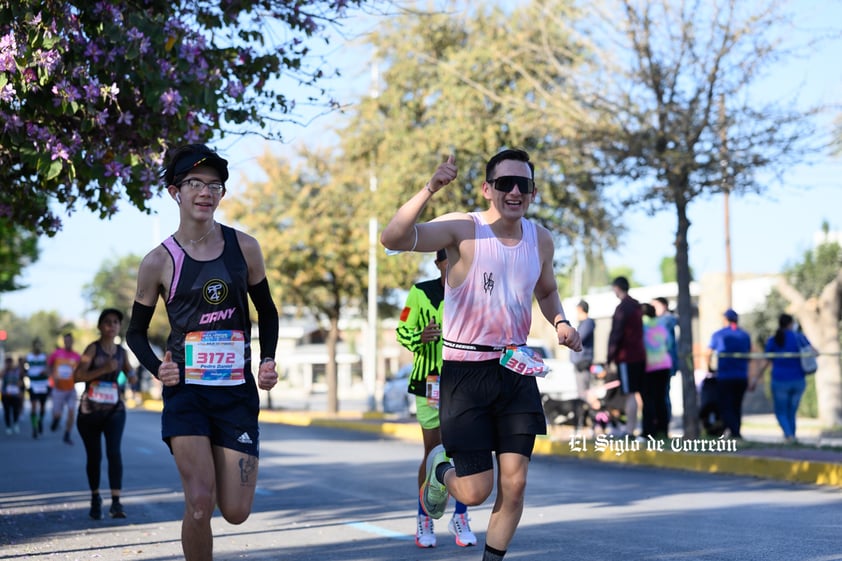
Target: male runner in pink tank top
(497, 262)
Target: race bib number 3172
(214, 358)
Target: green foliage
(763, 322)
(113, 286)
(817, 269)
(623, 271)
(18, 250)
(669, 272)
(312, 225)
(449, 89)
(92, 93)
(809, 406)
(46, 326)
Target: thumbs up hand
(445, 173)
(267, 375)
(168, 371)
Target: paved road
(329, 494)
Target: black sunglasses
(506, 183)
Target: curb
(744, 464)
(793, 471)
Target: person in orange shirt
(61, 363)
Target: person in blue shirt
(729, 344)
(788, 377)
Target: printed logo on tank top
(215, 291)
(487, 282)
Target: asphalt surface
(344, 489)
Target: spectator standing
(62, 363)
(788, 377)
(583, 360)
(39, 386)
(731, 345)
(656, 380)
(12, 393)
(669, 320)
(626, 349)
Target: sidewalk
(816, 459)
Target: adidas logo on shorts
(245, 439)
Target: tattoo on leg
(247, 466)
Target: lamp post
(726, 187)
(370, 363)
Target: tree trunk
(826, 340)
(330, 368)
(685, 324)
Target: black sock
(441, 469)
(491, 554)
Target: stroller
(601, 409)
(605, 401)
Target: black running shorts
(226, 415)
(484, 408)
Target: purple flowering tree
(93, 92)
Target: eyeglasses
(506, 183)
(197, 185)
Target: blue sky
(768, 232)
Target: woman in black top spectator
(101, 409)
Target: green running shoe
(434, 494)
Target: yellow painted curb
(795, 471)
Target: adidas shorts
(226, 415)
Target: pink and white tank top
(493, 306)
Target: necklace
(212, 228)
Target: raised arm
(402, 233)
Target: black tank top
(209, 296)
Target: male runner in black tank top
(205, 273)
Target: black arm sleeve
(138, 337)
(267, 318)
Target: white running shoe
(424, 535)
(461, 530)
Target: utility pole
(726, 190)
(370, 362)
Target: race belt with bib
(214, 358)
(39, 386)
(517, 358)
(106, 393)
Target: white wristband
(415, 243)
